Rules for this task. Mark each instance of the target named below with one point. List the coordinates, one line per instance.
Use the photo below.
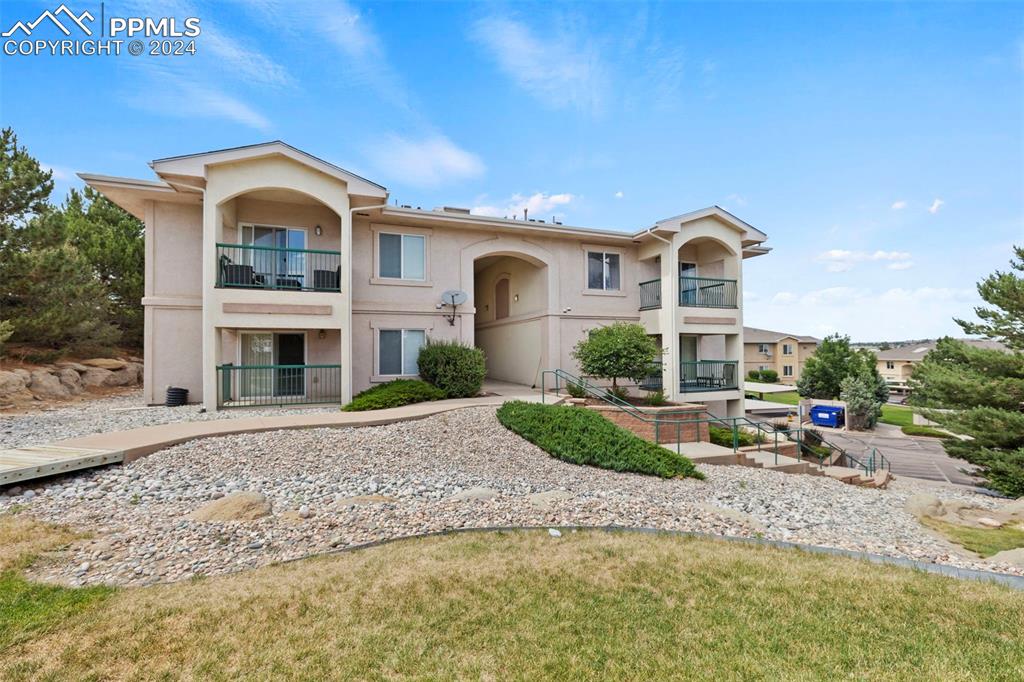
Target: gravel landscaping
(333, 488)
(116, 413)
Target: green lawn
(897, 415)
(982, 541)
(526, 606)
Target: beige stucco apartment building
(274, 277)
(781, 351)
(897, 364)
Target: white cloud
(737, 199)
(841, 260)
(59, 172)
(784, 297)
(618, 195)
(899, 205)
(936, 205)
(564, 70)
(424, 163)
(538, 205)
(901, 265)
(203, 101)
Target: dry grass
(527, 606)
(22, 539)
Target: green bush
(394, 394)
(657, 398)
(456, 369)
(720, 435)
(754, 375)
(575, 390)
(917, 430)
(581, 436)
(769, 376)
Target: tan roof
(755, 335)
(916, 351)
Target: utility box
(827, 415)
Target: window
(602, 270)
(402, 256)
(787, 349)
(398, 351)
(763, 349)
(889, 364)
(787, 370)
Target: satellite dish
(454, 297)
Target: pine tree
(24, 188)
(981, 391)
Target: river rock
(241, 506)
(46, 385)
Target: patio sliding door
(688, 359)
(271, 365)
(687, 285)
(272, 265)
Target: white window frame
(787, 370)
(376, 358)
(787, 349)
(402, 231)
(889, 364)
(240, 333)
(604, 250)
(763, 349)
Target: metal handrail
(650, 294)
(251, 266)
(707, 292)
(277, 385)
(260, 247)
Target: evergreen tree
(112, 241)
(1004, 291)
(981, 391)
(24, 188)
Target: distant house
(896, 364)
(784, 352)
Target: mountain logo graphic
(52, 16)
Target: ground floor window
(787, 370)
(399, 350)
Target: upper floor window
(889, 364)
(603, 270)
(787, 349)
(763, 348)
(402, 256)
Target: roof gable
(194, 165)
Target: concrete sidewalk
(140, 442)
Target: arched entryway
(510, 294)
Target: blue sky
(881, 146)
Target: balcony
(696, 292)
(246, 266)
(707, 292)
(277, 385)
(698, 376)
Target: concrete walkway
(126, 446)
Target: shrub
(618, 392)
(456, 369)
(656, 398)
(917, 430)
(754, 375)
(769, 376)
(394, 394)
(581, 436)
(720, 435)
(575, 390)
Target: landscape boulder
(126, 376)
(13, 385)
(95, 376)
(924, 504)
(71, 380)
(67, 364)
(46, 385)
(105, 363)
(240, 506)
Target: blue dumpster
(827, 415)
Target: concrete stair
(709, 453)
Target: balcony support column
(669, 320)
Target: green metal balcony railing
(245, 266)
(707, 292)
(262, 385)
(708, 375)
(650, 294)
(696, 376)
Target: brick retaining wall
(687, 433)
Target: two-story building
(783, 352)
(274, 277)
